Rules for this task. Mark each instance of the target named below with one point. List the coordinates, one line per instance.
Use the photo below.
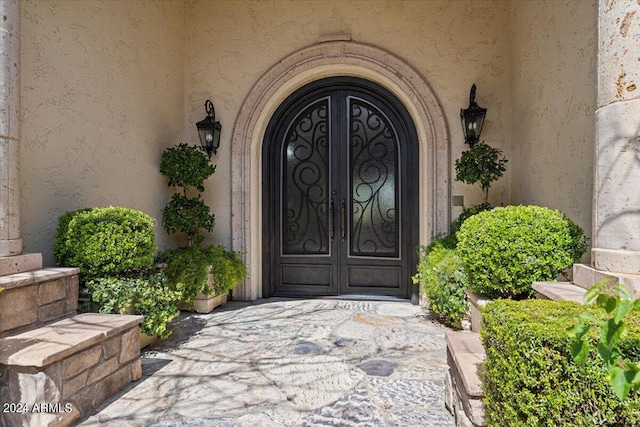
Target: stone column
(10, 241)
(616, 201)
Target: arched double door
(340, 192)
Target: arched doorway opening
(340, 177)
(322, 60)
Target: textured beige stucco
(554, 102)
(107, 85)
(231, 44)
(102, 96)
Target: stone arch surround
(327, 59)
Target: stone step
(586, 276)
(33, 298)
(71, 365)
(463, 388)
(20, 263)
(559, 291)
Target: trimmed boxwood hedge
(105, 241)
(506, 249)
(530, 379)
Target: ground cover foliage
(114, 249)
(529, 377)
(443, 281)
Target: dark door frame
(409, 148)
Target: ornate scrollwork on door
(373, 160)
(305, 182)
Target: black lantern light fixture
(472, 119)
(209, 130)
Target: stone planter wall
(55, 374)
(476, 302)
(204, 303)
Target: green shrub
(60, 252)
(187, 215)
(506, 249)
(468, 213)
(187, 167)
(529, 378)
(188, 268)
(149, 296)
(105, 241)
(443, 281)
(481, 164)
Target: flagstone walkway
(282, 362)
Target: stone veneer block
(80, 362)
(130, 345)
(102, 370)
(74, 385)
(586, 276)
(53, 290)
(52, 343)
(73, 290)
(14, 307)
(78, 383)
(20, 263)
(111, 347)
(52, 311)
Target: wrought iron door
(341, 201)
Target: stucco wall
(106, 86)
(102, 95)
(554, 102)
(230, 44)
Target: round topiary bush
(506, 249)
(105, 241)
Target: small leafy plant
(187, 167)
(443, 281)
(150, 296)
(481, 164)
(618, 303)
(188, 270)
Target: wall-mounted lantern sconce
(209, 130)
(472, 119)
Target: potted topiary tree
(481, 164)
(203, 275)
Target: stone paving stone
(354, 409)
(399, 393)
(380, 368)
(420, 418)
(291, 363)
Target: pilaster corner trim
(328, 59)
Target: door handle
(331, 221)
(343, 216)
